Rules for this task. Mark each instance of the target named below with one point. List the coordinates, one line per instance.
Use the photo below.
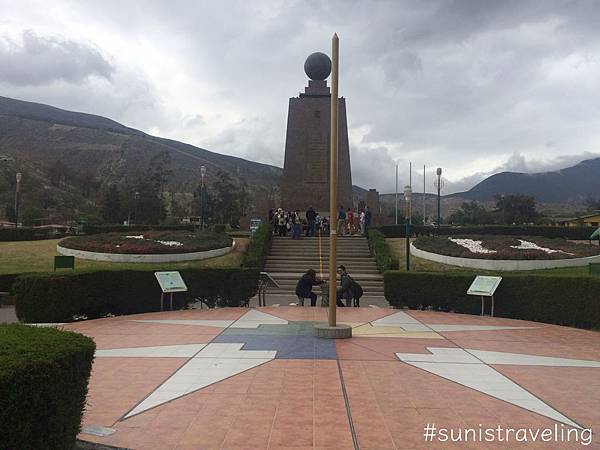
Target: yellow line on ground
(320, 257)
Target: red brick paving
(299, 404)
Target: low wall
(504, 264)
(156, 258)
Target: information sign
(484, 286)
(170, 282)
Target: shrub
(28, 234)
(380, 250)
(258, 249)
(153, 242)
(6, 282)
(99, 229)
(564, 300)
(58, 297)
(574, 233)
(220, 228)
(44, 375)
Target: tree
(224, 201)
(470, 213)
(111, 205)
(516, 209)
(147, 206)
(58, 173)
(159, 173)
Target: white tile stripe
(464, 367)
(194, 322)
(463, 327)
(518, 359)
(214, 363)
(162, 351)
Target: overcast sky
(474, 87)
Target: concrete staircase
(289, 259)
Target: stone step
(312, 259)
(302, 270)
(286, 252)
(303, 266)
(303, 256)
(296, 276)
(291, 284)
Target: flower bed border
(504, 264)
(148, 258)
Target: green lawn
(38, 256)
(398, 249)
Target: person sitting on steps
(304, 287)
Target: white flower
(472, 246)
(141, 236)
(170, 243)
(526, 245)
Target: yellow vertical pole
(333, 174)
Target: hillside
(100, 151)
(571, 185)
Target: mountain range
(98, 152)
(34, 137)
(574, 184)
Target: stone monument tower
(306, 166)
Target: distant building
(590, 220)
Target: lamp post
(439, 189)
(202, 173)
(136, 196)
(407, 197)
(396, 194)
(17, 198)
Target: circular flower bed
(149, 242)
(505, 247)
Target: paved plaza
(237, 378)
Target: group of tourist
(348, 290)
(294, 223)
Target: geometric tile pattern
(258, 378)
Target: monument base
(323, 330)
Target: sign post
(484, 286)
(169, 282)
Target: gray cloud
(40, 60)
(473, 86)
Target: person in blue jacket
(305, 284)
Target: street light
(136, 196)
(407, 197)
(202, 173)
(17, 198)
(439, 189)
(396, 194)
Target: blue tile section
(296, 346)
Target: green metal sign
(485, 286)
(170, 282)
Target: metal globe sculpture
(317, 66)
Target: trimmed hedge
(58, 297)
(380, 250)
(28, 234)
(6, 282)
(258, 248)
(574, 233)
(98, 229)
(563, 300)
(44, 375)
